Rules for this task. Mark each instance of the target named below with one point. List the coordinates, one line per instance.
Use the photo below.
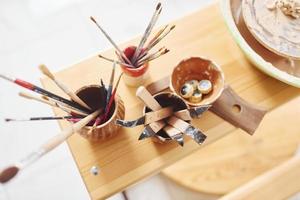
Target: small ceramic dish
(196, 68)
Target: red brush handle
(24, 84)
(109, 105)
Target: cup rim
(115, 101)
(145, 65)
(215, 65)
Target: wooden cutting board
(123, 159)
(222, 167)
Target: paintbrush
(40, 119)
(111, 41)
(151, 41)
(46, 100)
(111, 82)
(108, 107)
(39, 90)
(147, 32)
(155, 42)
(157, 35)
(118, 62)
(153, 57)
(10, 172)
(108, 95)
(62, 86)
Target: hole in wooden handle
(236, 108)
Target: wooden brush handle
(280, 182)
(72, 95)
(158, 115)
(237, 111)
(151, 102)
(147, 98)
(229, 106)
(61, 137)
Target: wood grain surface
(236, 159)
(123, 159)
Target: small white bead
(94, 170)
(205, 86)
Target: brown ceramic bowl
(196, 68)
(91, 95)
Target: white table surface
(59, 33)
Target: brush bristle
(8, 173)
(46, 71)
(158, 6)
(172, 27)
(92, 18)
(8, 120)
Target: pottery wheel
(237, 158)
(275, 24)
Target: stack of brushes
(141, 54)
(75, 108)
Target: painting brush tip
(8, 120)
(93, 19)
(158, 6)
(46, 71)
(8, 173)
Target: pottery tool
(111, 41)
(191, 113)
(39, 90)
(62, 86)
(46, 100)
(148, 118)
(150, 102)
(153, 116)
(174, 121)
(147, 32)
(118, 62)
(40, 119)
(10, 172)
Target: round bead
(205, 86)
(194, 83)
(94, 170)
(186, 90)
(196, 97)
